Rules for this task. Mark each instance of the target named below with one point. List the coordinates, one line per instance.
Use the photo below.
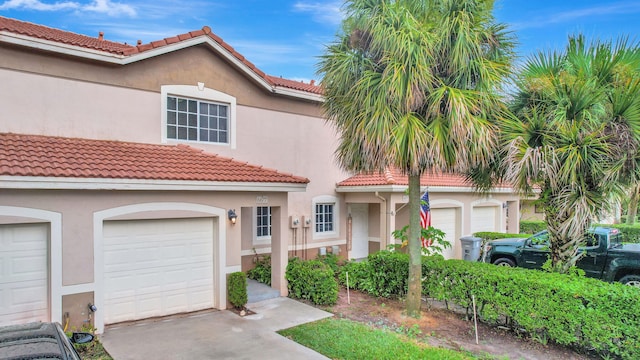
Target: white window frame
(202, 93)
(261, 240)
(330, 200)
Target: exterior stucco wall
(78, 208)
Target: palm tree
(576, 136)
(414, 85)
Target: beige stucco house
(136, 177)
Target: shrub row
(532, 227)
(630, 233)
(569, 310)
(311, 280)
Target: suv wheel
(507, 262)
(631, 280)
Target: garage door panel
(484, 218)
(168, 268)
(24, 273)
(445, 220)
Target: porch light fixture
(232, 216)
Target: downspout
(384, 237)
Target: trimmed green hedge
(532, 227)
(312, 280)
(630, 233)
(237, 288)
(569, 310)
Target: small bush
(358, 275)
(532, 227)
(237, 288)
(389, 273)
(311, 280)
(262, 271)
(332, 260)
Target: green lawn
(346, 339)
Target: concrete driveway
(217, 334)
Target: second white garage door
(445, 219)
(484, 218)
(157, 267)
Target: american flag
(425, 217)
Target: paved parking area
(217, 334)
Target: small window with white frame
(263, 222)
(326, 215)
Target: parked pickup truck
(605, 256)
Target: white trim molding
(60, 183)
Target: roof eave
(60, 183)
(403, 188)
(120, 59)
(60, 48)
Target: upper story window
(197, 120)
(197, 113)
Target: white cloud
(96, 6)
(573, 15)
(322, 12)
(38, 5)
(110, 8)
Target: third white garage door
(157, 267)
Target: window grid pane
(324, 217)
(263, 221)
(195, 120)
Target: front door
(359, 231)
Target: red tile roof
(395, 177)
(69, 38)
(65, 37)
(48, 156)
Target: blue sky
(285, 37)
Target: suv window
(592, 240)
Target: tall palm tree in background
(414, 85)
(576, 136)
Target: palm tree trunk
(414, 295)
(632, 210)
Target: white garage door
(484, 218)
(24, 273)
(446, 220)
(157, 267)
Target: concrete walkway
(217, 334)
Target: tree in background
(575, 135)
(415, 85)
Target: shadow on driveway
(216, 334)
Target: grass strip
(346, 339)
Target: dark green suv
(604, 256)
(39, 340)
